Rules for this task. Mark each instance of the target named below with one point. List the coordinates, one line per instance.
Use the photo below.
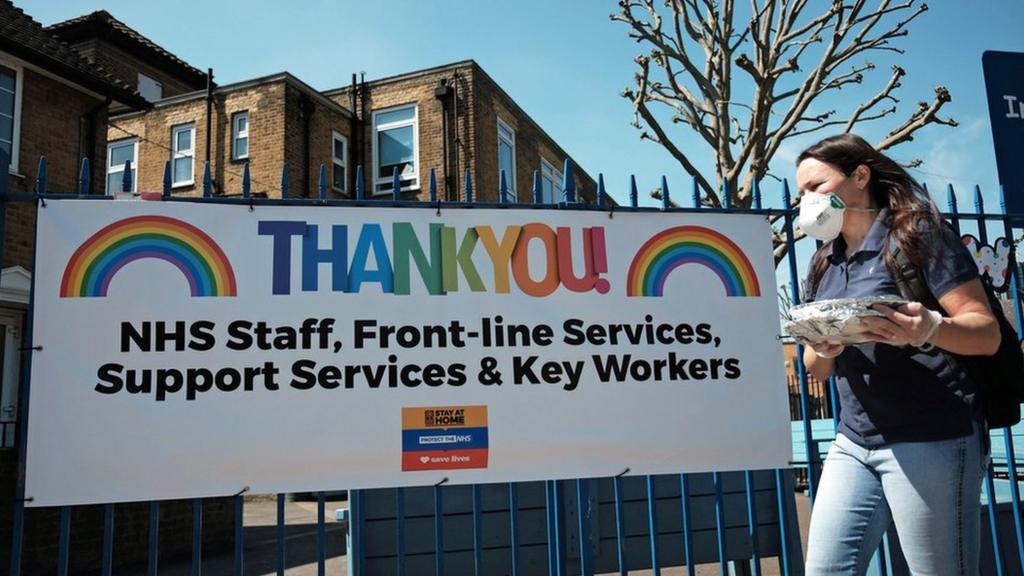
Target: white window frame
(555, 178)
(19, 82)
(119, 169)
(178, 154)
(377, 128)
(145, 83)
(511, 176)
(237, 134)
(335, 135)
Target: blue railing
(534, 515)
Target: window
(183, 156)
(339, 153)
(507, 157)
(397, 136)
(149, 88)
(117, 154)
(240, 136)
(10, 113)
(550, 183)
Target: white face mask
(821, 215)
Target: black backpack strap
(910, 280)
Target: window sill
(241, 160)
(178, 185)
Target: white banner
(194, 350)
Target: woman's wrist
(933, 322)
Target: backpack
(999, 378)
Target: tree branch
(886, 93)
(639, 99)
(925, 114)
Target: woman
(910, 445)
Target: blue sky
(565, 62)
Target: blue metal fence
(546, 502)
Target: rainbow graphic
(681, 245)
(192, 251)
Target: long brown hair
(911, 211)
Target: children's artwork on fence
(190, 350)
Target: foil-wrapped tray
(837, 320)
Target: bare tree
(696, 55)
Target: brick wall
(126, 66)
(474, 141)
(265, 106)
(531, 144)
(418, 90)
(53, 123)
(323, 121)
(276, 135)
(153, 129)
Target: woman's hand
(820, 358)
(826, 349)
(910, 323)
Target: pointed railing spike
(695, 193)
(538, 188)
(83, 178)
(126, 177)
(285, 180)
(321, 184)
(42, 176)
(502, 187)
(396, 185)
(600, 190)
(207, 180)
(246, 181)
(634, 194)
(167, 179)
(568, 182)
(469, 186)
(360, 190)
(757, 194)
(433, 186)
(665, 202)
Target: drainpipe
(455, 129)
(353, 149)
(443, 92)
(306, 106)
(88, 125)
(209, 109)
(364, 94)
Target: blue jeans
(930, 490)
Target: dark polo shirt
(899, 393)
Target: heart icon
(424, 459)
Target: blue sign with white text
(1004, 86)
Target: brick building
(94, 88)
(55, 103)
(452, 119)
(129, 56)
